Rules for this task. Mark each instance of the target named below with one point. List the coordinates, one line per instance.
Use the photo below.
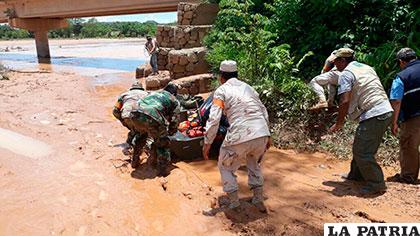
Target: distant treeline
(79, 28)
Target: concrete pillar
(40, 27)
(42, 46)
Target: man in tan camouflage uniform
(248, 136)
(157, 117)
(126, 103)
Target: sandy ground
(81, 184)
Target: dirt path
(80, 185)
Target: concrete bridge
(40, 16)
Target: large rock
(180, 37)
(195, 84)
(155, 82)
(187, 62)
(197, 13)
(143, 71)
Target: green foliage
(79, 28)
(6, 32)
(240, 33)
(374, 28)
(281, 44)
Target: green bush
(281, 44)
(241, 34)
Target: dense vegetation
(79, 28)
(281, 44)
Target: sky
(167, 17)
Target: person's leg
(163, 154)
(160, 145)
(409, 149)
(257, 149)
(228, 163)
(139, 142)
(354, 173)
(153, 62)
(316, 85)
(367, 139)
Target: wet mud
(83, 185)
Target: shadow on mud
(348, 188)
(148, 171)
(244, 214)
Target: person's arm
(396, 95)
(345, 82)
(332, 86)
(396, 105)
(212, 124)
(116, 111)
(342, 111)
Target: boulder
(158, 81)
(143, 70)
(195, 84)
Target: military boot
(258, 199)
(234, 200)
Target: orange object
(219, 103)
(118, 105)
(194, 124)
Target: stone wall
(197, 14)
(179, 37)
(195, 84)
(181, 56)
(187, 62)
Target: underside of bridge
(40, 16)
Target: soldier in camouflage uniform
(157, 116)
(125, 104)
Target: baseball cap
(344, 52)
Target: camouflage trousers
(148, 127)
(134, 139)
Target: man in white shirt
(248, 136)
(328, 78)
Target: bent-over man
(363, 98)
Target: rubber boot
(234, 200)
(258, 199)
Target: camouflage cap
(136, 85)
(406, 54)
(344, 52)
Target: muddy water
(23, 145)
(84, 57)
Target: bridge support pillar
(40, 27)
(42, 45)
